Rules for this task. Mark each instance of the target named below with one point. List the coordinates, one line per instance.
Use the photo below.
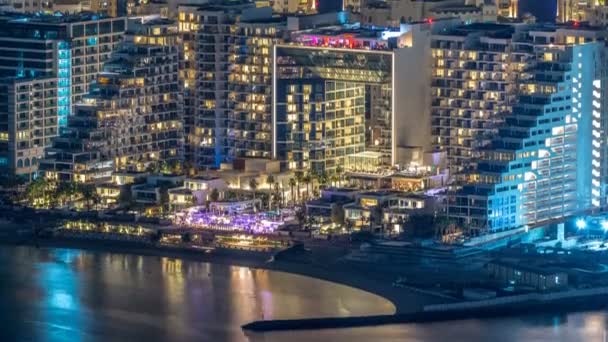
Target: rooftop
(203, 178)
(381, 193)
(456, 8)
(353, 31)
(56, 18)
(500, 31)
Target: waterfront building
(546, 161)
(72, 48)
(389, 209)
(155, 191)
(249, 119)
(227, 67)
(226, 79)
(472, 85)
(345, 96)
(537, 274)
(132, 117)
(196, 191)
(28, 123)
(46, 64)
(330, 200)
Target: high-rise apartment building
(249, 124)
(28, 123)
(352, 97)
(132, 117)
(72, 48)
(474, 71)
(46, 62)
(226, 74)
(545, 162)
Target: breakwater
(557, 302)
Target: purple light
(257, 223)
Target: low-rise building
(109, 193)
(389, 209)
(196, 191)
(367, 208)
(129, 177)
(321, 209)
(399, 209)
(516, 273)
(152, 191)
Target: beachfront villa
(196, 191)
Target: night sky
(543, 10)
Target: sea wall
(525, 298)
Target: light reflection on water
(70, 295)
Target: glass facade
(331, 104)
(64, 83)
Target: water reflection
(69, 295)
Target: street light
(581, 224)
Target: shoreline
(403, 300)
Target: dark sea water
(72, 295)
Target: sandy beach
(323, 267)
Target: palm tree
(323, 179)
(164, 197)
(64, 192)
(278, 194)
(299, 180)
(89, 195)
(37, 190)
(270, 181)
(214, 195)
(292, 184)
(194, 200)
(253, 185)
(339, 172)
(314, 176)
(307, 179)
